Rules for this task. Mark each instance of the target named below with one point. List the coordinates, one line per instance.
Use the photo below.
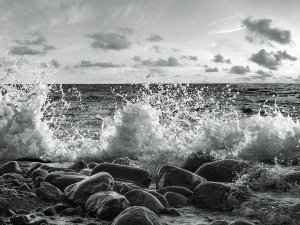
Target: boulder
(85, 172)
(222, 171)
(241, 222)
(13, 176)
(10, 167)
(126, 161)
(106, 205)
(137, 215)
(61, 179)
(32, 168)
(124, 187)
(92, 165)
(176, 200)
(4, 205)
(39, 172)
(176, 189)
(78, 166)
(19, 220)
(48, 192)
(139, 197)
(197, 159)
(160, 197)
(124, 173)
(174, 176)
(79, 193)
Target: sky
(126, 41)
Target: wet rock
(60, 207)
(32, 168)
(2, 222)
(24, 187)
(106, 205)
(176, 189)
(222, 171)
(197, 159)
(137, 215)
(80, 211)
(78, 166)
(170, 212)
(40, 222)
(3, 206)
(63, 179)
(174, 176)
(79, 193)
(220, 196)
(10, 167)
(52, 169)
(22, 211)
(124, 187)
(126, 161)
(160, 197)
(50, 211)
(142, 198)
(92, 165)
(48, 192)
(176, 200)
(77, 220)
(241, 222)
(124, 173)
(38, 180)
(219, 222)
(19, 220)
(12, 176)
(39, 172)
(70, 212)
(85, 172)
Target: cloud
(126, 30)
(239, 69)
(25, 47)
(190, 57)
(220, 59)
(136, 59)
(262, 74)
(156, 48)
(271, 60)
(261, 30)
(109, 41)
(210, 70)
(86, 63)
(171, 61)
(24, 50)
(154, 38)
(55, 63)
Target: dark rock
(240, 222)
(85, 172)
(124, 187)
(142, 198)
(78, 166)
(24, 187)
(38, 180)
(52, 169)
(48, 192)
(63, 179)
(77, 220)
(12, 176)
(126, 162)
(19, 220)
(50, 211)
(40, 222)
(10, 167)
(39, 172)
(160, 197)
(176, 200)
(32, 168)
(22, 211)
(222, 171)
(79, 193)
(124, 173)
(92, 165)
(70, 212)
(197, 159)
(137, 215)
(106, 205)
(60, 207)
(174, 176)
(2, 222)
(4, 205)
(170, 212)
(176, 189)
(219, 222)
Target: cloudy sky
(124, 41)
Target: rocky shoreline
(203, 191)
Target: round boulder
(197, 159)
(137, 215)
(175, 199)
(10, 167)
(176, 189)
(49, 192)
(78, 166)
(79, 193)
(106, 205)
(241, 222)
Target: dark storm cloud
(154, 38)
(55, 63)
(156, 48)
(220, 59)
(24, 50)
(271, 60)
(171, 61)
(109, 41)
(28, 47)
(211, 70)
(261, 30)
(86, 63)
(190, 57)
(126, 30)
(239, 69)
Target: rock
(137, 215)
(22, 211)
(32, 168)
(10, 167)
(79, 193)
(70, 212)
(175, 199)
(19, 220)
(4, 205)
(142, 198)
(288, 181)
(197, 159)
(40, 222)
(219, 222)
(78, 166)
(39, 172)
(222, 171)
(126, 162)
(241, 222)
(80, 211)
(24, 187)
(176, 189)
(160, 197)
(52, 169)
(60, 207)
(85, 172)
(48, 192)
(106, 205)
(38, 180)
(61, 179)
(123, 187)
(50, 211)
(92, 165)
(12, 176)
(220, 196)
(170, 212)
(77, 220)
(124, 173)
(174, 176)
(2, 222)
